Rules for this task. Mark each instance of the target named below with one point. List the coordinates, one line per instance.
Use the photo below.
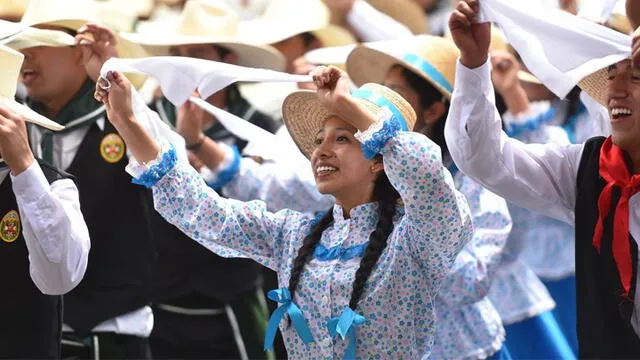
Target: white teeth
(620, 111)
(325, 169)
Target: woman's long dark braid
(387, 198)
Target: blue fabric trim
(381, 101)
(570, 125)
(379, 139)
(283, 296)
(159, 170)
(227, 174)
(323, 253)
(428, 69)
(345, 327)
(453, 169)
(530, 125)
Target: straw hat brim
(334, 35)
(249, 55)
(30, 115)
(366, 65)
(595, 85)
(33, 37)
(304, 115)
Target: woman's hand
(115, 93)
(334, 93)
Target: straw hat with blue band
(304, 115)
(431, 57)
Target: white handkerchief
(558, 48)
(8, 28)
(597, 10)
(180, 76)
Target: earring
(372, 169)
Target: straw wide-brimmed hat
(431, 57)
(72, 15)
(304, 115)
(10, 64)
(406, 12)
(209, 23)
(283, 19)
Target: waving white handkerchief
(180, 76)
(266, 144)
(558, 48)
(598, 10)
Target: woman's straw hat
(431, 57)
(10, 64)
(283, 19)
(304, 115)
(209, 23)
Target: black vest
(118, 215)
(603, 316)
(30, 322)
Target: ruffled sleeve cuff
(148, 174)
(539, 114)
(378, 134)
(226, 172)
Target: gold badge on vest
(112, 148)
(10, 226)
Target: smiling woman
(372, 262)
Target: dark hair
(573, 99)
(308, 38)
(428, 96)
(222, 51)
(386, 196)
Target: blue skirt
(538, 338)
(564, 293)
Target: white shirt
(538, 177)
(53, 229)
(65, 147)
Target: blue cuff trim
(532, 124)
(429, 70)
(379, 139)
(227, 174)
(381, 101)
(158, 171)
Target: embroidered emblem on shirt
(112, 148)
(10, 226)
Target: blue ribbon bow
(283, 296)
(345, 326)
(323, 253)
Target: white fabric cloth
(597, 10)
(53, 228)
(535, 176)
(558, 48)
(372, 25)
(65, 146)
(180, 76)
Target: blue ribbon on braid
(428, 69)
(283, 296)
(345, 326)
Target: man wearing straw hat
(44, 241)
(593, 185)
(107, 315)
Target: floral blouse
(469, 326)
(396, 316)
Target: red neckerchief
(613, 169)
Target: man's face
(623, 100)
(46, 71)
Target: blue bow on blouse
(283, 296)
(337, 252)
(345, 326)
